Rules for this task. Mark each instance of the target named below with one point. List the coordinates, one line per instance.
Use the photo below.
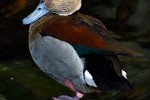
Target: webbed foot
(65, 97)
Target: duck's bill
(40, 11)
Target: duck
(75, 49)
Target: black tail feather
(103, 72)
(123, 85)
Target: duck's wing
(84, 31)
(110, 44)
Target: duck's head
(60, 7)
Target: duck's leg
(70, 85)
(65, 97)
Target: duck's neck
(35, 29)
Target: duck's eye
(39, 8)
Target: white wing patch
(124, 74)
(89, 79)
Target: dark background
(20, 79)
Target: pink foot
(65, 97)
(79, 95)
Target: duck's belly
(60, 61)
(56, 57)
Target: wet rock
(2, 98)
